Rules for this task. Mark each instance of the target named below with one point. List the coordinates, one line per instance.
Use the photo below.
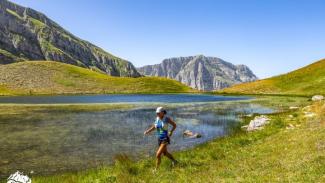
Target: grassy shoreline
(259, 156)
(257, 94)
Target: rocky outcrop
(257, 123)
(200, 72)
(26, 34)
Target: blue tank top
(162, 127)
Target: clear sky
(270, 36)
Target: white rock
(245, 126)
(191, 134)
(317, 98)
(293, 107)
(19, 177)
(258, 122)
(309, 114)
(291, 126)
(307, 108)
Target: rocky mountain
(26, 34)
(200, 72)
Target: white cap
(160, 109)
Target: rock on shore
(258, 123)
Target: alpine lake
(44, 135)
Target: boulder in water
(190, 134)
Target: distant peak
(201, 72)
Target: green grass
(50, 48)
(37, 23)
(45, 77)
(274, 154)
(10, 55)
(309, 80)
(14, 13)
(24, 109)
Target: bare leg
(170, 156)
(160, 151)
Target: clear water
(168, 98)
(48, 142)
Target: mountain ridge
(200, 72)
(26, 34)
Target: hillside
(309, 80)
(200, 72)
(26, 34)
(45, 77)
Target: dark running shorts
(166, 140)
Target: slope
(26, 34)
(309, 80)
(46, 77)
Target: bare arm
(149, 130)
(170, 121)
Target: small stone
(293, 107)
(245, 126)
(307, 108)
(309, 114)
(5, 162)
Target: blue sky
(270, 36)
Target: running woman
(161, 125)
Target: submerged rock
(191, 134)
(317, 98)
(257, 123)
